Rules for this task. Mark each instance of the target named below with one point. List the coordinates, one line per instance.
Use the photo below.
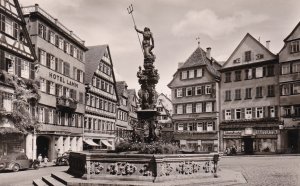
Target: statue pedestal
(147, 121)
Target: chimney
(180, 64)
(268, 44)
(208, 49)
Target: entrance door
(248, 145)
(293, 136)
(42, 145)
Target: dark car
(17, 161)
(64, 159)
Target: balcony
(66, 104)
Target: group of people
(230, 150)
(44, 160)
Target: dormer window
(184, 75)
(248, 56)
(294, 47)
(238, 60)
(259, 56)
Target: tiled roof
(92, 58)
(198, 58)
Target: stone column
(67, 144)
(73, 144)
(60, 143)
(29, 146)
(34, 156)
(79, 144)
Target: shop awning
(90, 142)
(105, 142)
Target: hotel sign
(61, 79)
(232, 132)
(266, 131)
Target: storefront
(12, 143)
(251, 140)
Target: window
(238, 75)
(259, 56)
(67, 47)
(198, 90)
(259, 92)
(6, 101)
(285, 68)
(42, 57)
(191, 74)
(207, 89)
(237, 94)
(189, 108)
(296, 88)
(297, 110)
(60, 43)
(52, 62)
(8, 26)
(52, 37)
(179, 109)
(227, 77)
(259, 72)
(43, 85)
(285, 89)
(287, 111)
(296, 67)
(248, 56)
(227, 95)
(42, 31)
(248, 74)
(227, 114)
(41, 115)
(184, 74)
(198, 107)
(52, 88)
(199, 72)
(210, 126)
(272, 112)
(189, 91)
(238, 114)
(180, 127)
(248, 93)
(66, 69)
(248, 114)
(270, 70)
(179, 92)
(25, 69)
(259, 112)
(271, 90)
(294, 46)
(200, 127)
(208, 107)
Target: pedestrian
(59, 154)
(40, 159)
(46, 160)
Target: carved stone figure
(148, 42)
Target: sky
(175, 24)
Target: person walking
(46, 160)
(40, 159)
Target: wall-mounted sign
(61, 79)
(248, 131)
(232, 132)
(266, 131)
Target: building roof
(286, 39)
(198, 58)
(92, 58)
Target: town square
(119, 92)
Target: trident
(130, 11)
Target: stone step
(52, 181)
(39, 182)
(60, 177)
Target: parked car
(64, 159)
(17, 161)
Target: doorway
(42, 146)
(248, 145)
(293, 138)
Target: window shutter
(188, 74)
(2, 58)
(76, 120)
(48, 87)
(193, 91)
(232, 114)
(202, 71)
(56, 40)
(54, 117)
(268, 114)
(194, 107)
(1, 100)
(18, 67)
(203, 106)
(184, 108)
(2, 22)
(253, 73)
(83, 76)
(175, 93)
(243, 113)
(203, 90)
(183, 92)
(195, 73)
(264, 71)
(276, 111)
(64, 91)
(180, 73)
(212, 106)
(253, 113)
(46, 110)
(56, 64)
(223, 115)
(265, 112)
(65, 46)
(175, 107)
(48, 60)
(32, 73)
(49, 35)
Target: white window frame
(43, 85)
(248, 113)
(60, 43)
(208, 106)
(43, 57)
(272, 112)
(52, 88)
(209, 126)
(184, 75)
(52, 37)
(227, 114)
(198, 107)
(259, 72)
(199, 72)
(179, 92)
(179, 109)
(200, 127)
(52, 62)
(285, 68)
(208, 89)
(191, 74)
(189, 108)
(236, 113)
(180, 127)
(259, 112)
(198, 88)
(187, 90)
(25, 69)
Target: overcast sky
(175, 24)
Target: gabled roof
(241, 43)
(92, 59)
(198, 58)
(292, 32)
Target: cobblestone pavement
(266, 170)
